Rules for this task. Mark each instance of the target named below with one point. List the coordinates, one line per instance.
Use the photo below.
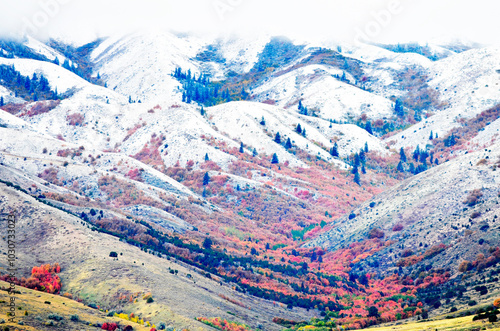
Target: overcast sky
(371, 20)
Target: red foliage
(75, 119)
(43, 278)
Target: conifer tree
(334, 151)
(288, 144)
(277, 138)
(402, 155)
(241, 148)
(254, 152)
(206, 157)
(1, 102)
(275, 159)
(298, 129)
(368, 127)
(366, 147)
(206, 179)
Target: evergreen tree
(263, 121)
(366, 147)
(202, 111)
(298, 129)
(412, 168)
(254, 152)
(206, 179)
(288, 144)
(398, 108)
(357, 178)
(400, 167)
(363, 170)
(402, 155)
(368, 127)
(206, 157)
(334, 151)
(1, 102)
(430, 137)
(275, 159)
(207, 243)
(56, 61)
(241, 148)
(129, 99)
(277, 138)
(304, 132)
(416, 153)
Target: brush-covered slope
(89, 273)
(455, 204)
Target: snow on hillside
(140, 65)
(467, 83)
(319, 90)
(44, 50)
(9, 96)
(57, 76)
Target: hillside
(263, 180)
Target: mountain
(266, 181)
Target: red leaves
(109, 326)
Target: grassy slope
(38, 311)
(460, 323)
(48, 235)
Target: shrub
(76, 119)
(376, 233)
(473, 197)
(113, 254)
(74, 318)
(397, 227)
(472, 303)
(150, 300)
(55, 317)
(47, 302)
(352, 215)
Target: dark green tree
(298, 129)
(366, 147)
(400, 167)
(368, 127)
(357, 178)
(373, 311)
(398, 108)
(241, 148)
(402, 155)
(207, 243)
(262, 121)
(288, 144)
(1, 102)
(206, 157)
(334, 151)
(206, 179)
(431, 136)
(254, 152)
(275, 159)
(277, 138)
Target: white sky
(398, 20)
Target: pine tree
(368, 127)
(357, 178)
(129, 99)
(430, 137)
(254, 152)
(304, 132)
(263, 121)
(288, 144)
(1, 102)
(275, 159)
(402, 155)
(56, 61)
(334, 151)
(366, 147)
(398, 108)
(277, 138)
(416, 153)
(298, 129)
(363, 170)
(400, 167)
(206, 179)
(241, 148)
(206, 157)
(202, 111)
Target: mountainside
(266, 181)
